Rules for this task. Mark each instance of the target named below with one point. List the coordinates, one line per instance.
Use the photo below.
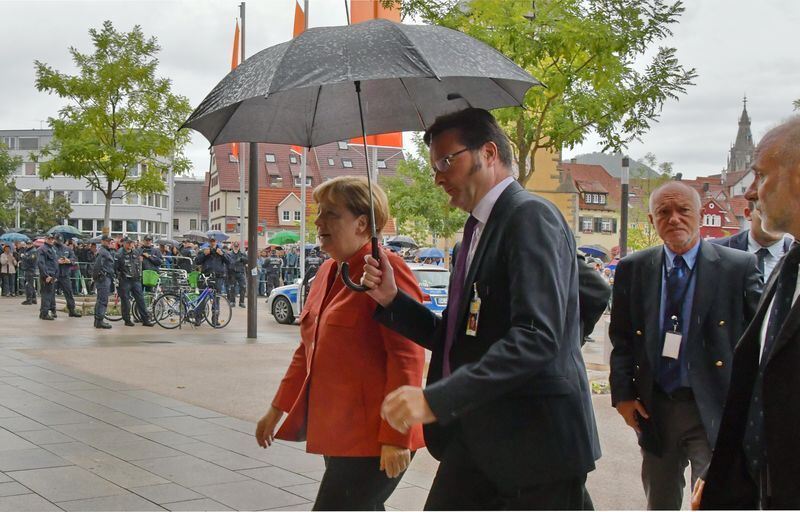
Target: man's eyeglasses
(442, 164)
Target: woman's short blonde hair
(352, 192)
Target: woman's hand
(394, 460)
(265, 429)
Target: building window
(342, 144)
(116, 198)
(331, 162)
(286, 215)
(204, 225)
(30, 168)
(606, 225)
(381, 164)
(275, 181)
(176, 225)
(347, 163)
(133, 171)
(74, 196)
(297, 181)
(116, 226)
(10, 142)
(238, 203)
(586, 224)
(297, 215)
(192, 223)
(87, 225)
(587, 198)
(602, 199)
(292, 159)
(270, 157)
(29, 143)
(232, 158)
(132, 226)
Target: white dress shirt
(763, 333)
(776, 252)
(481, 212)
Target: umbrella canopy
(65, 230)
(14, 237)
(430, 252)
(302, 91)
(598, 251)
(218, 235)
(403, 241)
(284, 237)
(196, 236)
(95, 240)
(167, 241)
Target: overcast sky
(737, 46)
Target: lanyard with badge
(673, 338)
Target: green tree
(119, 115)
(38, 214)
(7, 188)
(417, 204)
(642, 234)
(588, 53)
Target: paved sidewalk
(70, 440)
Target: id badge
(474, 313)
(672, 345)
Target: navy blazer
(727, 290)
(518, 397)
(740, 241)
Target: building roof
(595, 174)
(188, 196)
(722, 208)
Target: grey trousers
(685, 441)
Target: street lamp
(623, 232)
(17, 196)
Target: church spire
(741, 154)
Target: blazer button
(719, 364)
(721, 323)
(638, 333)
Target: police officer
(273, 265)
(27, 263)
(129, 275)
(313, 263)
(236, 275)
(103, 273)
(214, 261)
(66, 260)
(47, 262)
(188, 254)
(151, 255)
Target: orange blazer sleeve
(292, 383)
(405, 360)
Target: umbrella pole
(345, 267)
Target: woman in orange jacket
(347, 363)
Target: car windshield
(432, 278)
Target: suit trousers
(684, 441)
(461, 485)
(354, 483)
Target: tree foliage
(119, 114)
(38, 214)
(590, 56)
(7, 166)
(641, 233)
(417, 204)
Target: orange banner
(234, 64)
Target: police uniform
(273, 265)
(186, 261)
(103, 274)
(236, 276)
(128, 265)
(47, 262)
(214, 263)
(313, 263)
(151, 256)
(64, 272)
(27, 264)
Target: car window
(432, 278)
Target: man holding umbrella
(66, 260)
(214, 261)
(507, 409)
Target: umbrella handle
(346, 270)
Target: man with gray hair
(678, 311)
(757, 457)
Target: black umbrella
(167, 241)
(403, 241)
(335, 83)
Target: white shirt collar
(776, 249)
(484, 207)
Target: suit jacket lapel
(792, 322)
(499, 210)
(651, 294)
(706, 260)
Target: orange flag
(363, 10)
(234, 64)
(299, 27)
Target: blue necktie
(669, 370)
(755, 449)
(456, 292)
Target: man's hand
(48, 279)
(406, 406)
(627, 410)
(394, 460)
(219, 251)
(265, 429)
(379, 278)
(697, 493)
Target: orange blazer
(345, 366)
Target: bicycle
(171, 310)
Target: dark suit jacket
(727, 289)
(728, 483)
(740, 241)
(518, 396)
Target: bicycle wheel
(169, 311)
(114, 309)
(148, 307)
(224, 316)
